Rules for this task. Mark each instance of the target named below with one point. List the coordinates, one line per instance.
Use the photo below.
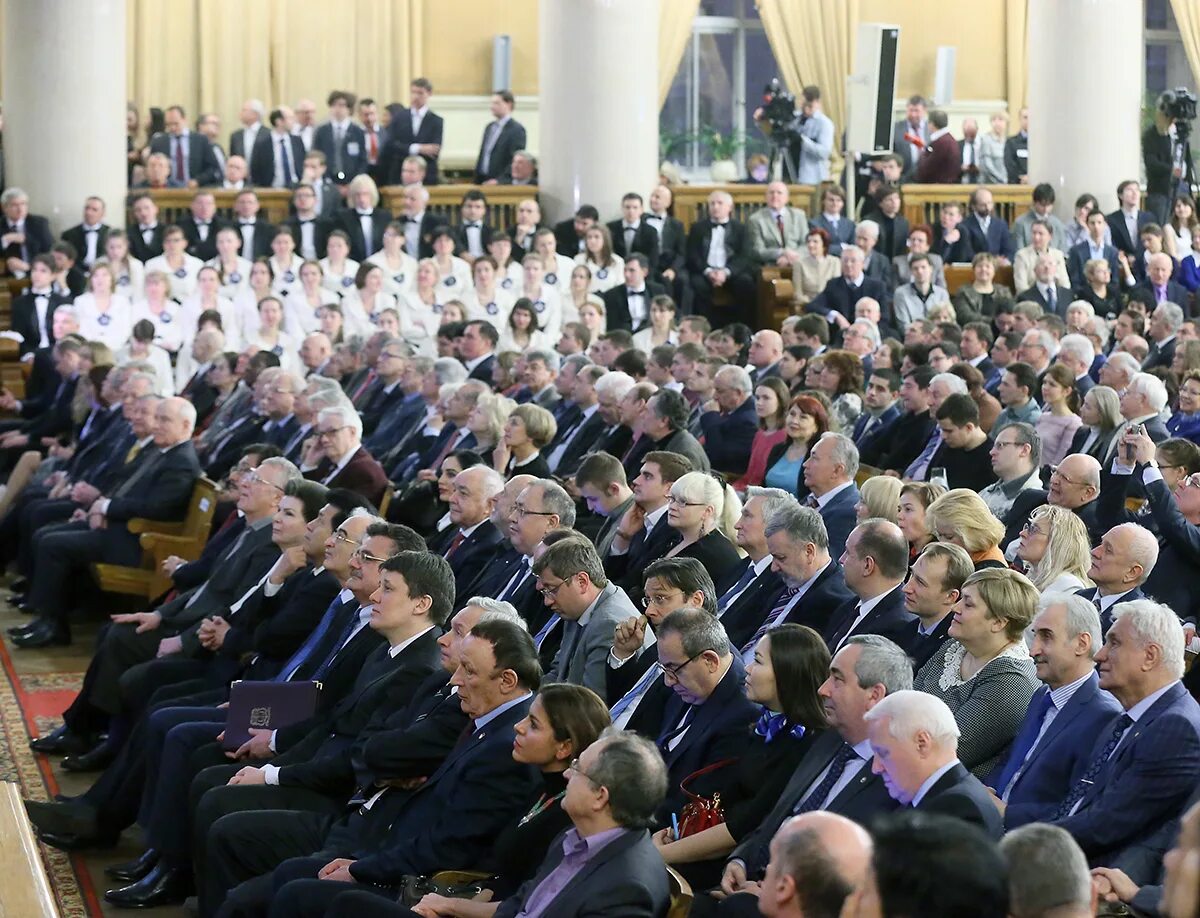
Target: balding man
(766, 348)
(915, 740)
(158, 488)
(315, 351)
(1157, 287)
(778, 231)
(719, 261)
(1064, 716)
(1074, 484)
(1047, 874)
(473, 541)
(874, 565)
(1121, 563)
(728, 432)
(817, 860)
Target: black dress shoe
(69, 841)
(43, 634)
(62, 818)
(161, 886)
(17, 631)
(61, 742)
(132, 871)
(96, 759)
(20, 585)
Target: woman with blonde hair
(527, 431)
(984, 672)
(703, 509)
(879, 498)
(104, 314)
(487, 420)
(912, 514)
(1056, 550)
(961, 518)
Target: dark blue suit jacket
(821, 603)
(838, 296)
(960, 794)
(728, 437)
(1078, 257)
(354, 151)
(743, 616)
(840, 518)
(890, 618)
(1060, 759)
(1146, 780)
(892, 412)
(716, 731)
(1106, 617)
(998, 239)
(476, 551)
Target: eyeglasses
(672, 671)
(362, 555)
(331, 431)
(1006, 444)
(518, 510)
(1192, 481)
(680, 502)
(254, 478)
(340, 536)
(574, 766)
(660, 601)
(551, 592)
(1071, 481)
(1033, 530)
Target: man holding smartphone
(1142, 403)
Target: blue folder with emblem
(267, 706)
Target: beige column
(1086, 69)
(598, 108)
(64, 105)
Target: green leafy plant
(721, 146)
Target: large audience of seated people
(889, 610)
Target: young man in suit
(719, 257)
(255, 231)
(835, 775)
(413, 131)
(1064, 717)
(22, 235)
(988, 232)
(473, 234)
(874, 565)
(1127, 220)
(628, 305)
(632, 233)
(501, 139)
(341, 140)
(33, 310)
(643, 534)
(309, 228)
(829, 475)
(191, 156)
(930, 593)
(277, 157)
(910, 136)
(89, 237)
(1093, 247)
(1144, 764)
(915, 741)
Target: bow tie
(770, 725)
(722, 225)
(631, 292)
(246, 222)
(655, 218)
(411, 220)
(472, 225)
(40, 292)
(148, 228)
(304, 222)
(628, 227)
(199, 223)
(365, 213)
(91, 230)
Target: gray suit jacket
(581, 656)
(907, 306)
(902, 275)
(764, 233)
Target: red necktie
(372, 146)
(367, 380)
(180, 165)
(782, 234)
(458, 539)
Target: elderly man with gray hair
(1165, 322)
(829, 472)
(914, 738)
(728, 433)
(720, 262)
(1047, 874)
(336, 457)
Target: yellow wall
(457, 51)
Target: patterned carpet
(31, 704)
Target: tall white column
(1086, 70)
(64, 105)
(598, 90)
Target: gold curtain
(1016, 69)
(1187, 17)
(813, 42)
(674, 30)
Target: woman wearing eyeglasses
(563, 721)
(790, 663)
(703, 509)
(1055, 548)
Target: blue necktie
(1024, 743)
(1124, 722)
(288, 175)
(314, 639)
(814, 800)
(744, 581)
(351, 625)
(769, 621)
(541, 636)
(636, 692)
(917, 469)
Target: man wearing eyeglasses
(572, 582)
(1016, 461)
(706, 719)
(338, 459)
(1074, 484)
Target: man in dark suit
(1157, 287)
(1122, 562)
(921, 769)
(243, 140)
(146, 235)
(401, 833)
(343, 461)
(22, 234)
(728, 432)
(1075, 485)
(413, 131)
(837, 301)
(192, 160)
(473, 540)
(501, 139)
(939, 162)
(419, 222)
(625, 877)
(987, 231)
(1145, 763)
(632, 233)
(671, 265)
(1065, 715)
(719, 257)
(201, 225)
(910, 136)
(477, 350)
(1093, 247)
(277, 158)
(835, 774)
(643, 534)
(89, 237)
(882, 407)
(933, 588)
(627, 305)
(1016, 151)
(159, 488)
(874, 565)
(1127, 220)
(363, 221)
(898, 444)
(341, 140)
(1165, 321)
(309, 228)
(569, 233)
(756, 586)
(33, 310)
(829, 475)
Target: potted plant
(723, 148)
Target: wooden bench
(681, 895)
(25, 891)
(159, 541)
(959, 276)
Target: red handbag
(701, 813)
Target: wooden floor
(45, 681)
